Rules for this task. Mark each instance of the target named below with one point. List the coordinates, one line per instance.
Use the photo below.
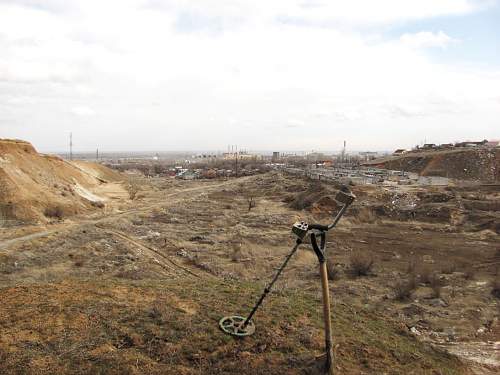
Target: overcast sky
(263, 74)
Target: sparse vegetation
(98, 204)
(436, 283)
(495, 285)
(179, 258)
(361, 263)
(366, 215)
(306, 198)
(426, 274)
(449, 268)
(403, 289)
(412, 266)
(251, 203)
(132, 189)
(54, 212)
(332, 270)
(469, 272)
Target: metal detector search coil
(235, 326)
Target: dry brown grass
(366, 215)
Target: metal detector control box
(300, 229)
(345, 198)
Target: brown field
(138, 286)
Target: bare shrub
(306, 198)
(413, 264)
(449, 268)
(469, 272)
(251, 203)
(332, 271)
(98, 204)
(236, 254)
(301, 202)
(436, 284)
(54, 212)
(132, 190)
(426, 274)
(366, 215)
(495, 287)
(403, 289)
(361, 264)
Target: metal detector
(239, 326)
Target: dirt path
(172, 265)
(4, 245)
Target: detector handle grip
(319, 249)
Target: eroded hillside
(37, 188)
(469, 164)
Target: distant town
(352, 167)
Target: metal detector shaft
(268, 288)
(339, 215)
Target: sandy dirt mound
(98, 171)
(471, 164)
(37, 188)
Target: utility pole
(343, 153)
(236, 160)
(97, 154)
(70, 146)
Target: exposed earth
(137, 286)
(479, 164)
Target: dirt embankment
(468, 164)
(36, 187)
(470, 209)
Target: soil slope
(34, 186)
(470, 164)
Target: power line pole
(70, 146)
(97, 154)
(236, 154)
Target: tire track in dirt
(7, 243)
(173, 265)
